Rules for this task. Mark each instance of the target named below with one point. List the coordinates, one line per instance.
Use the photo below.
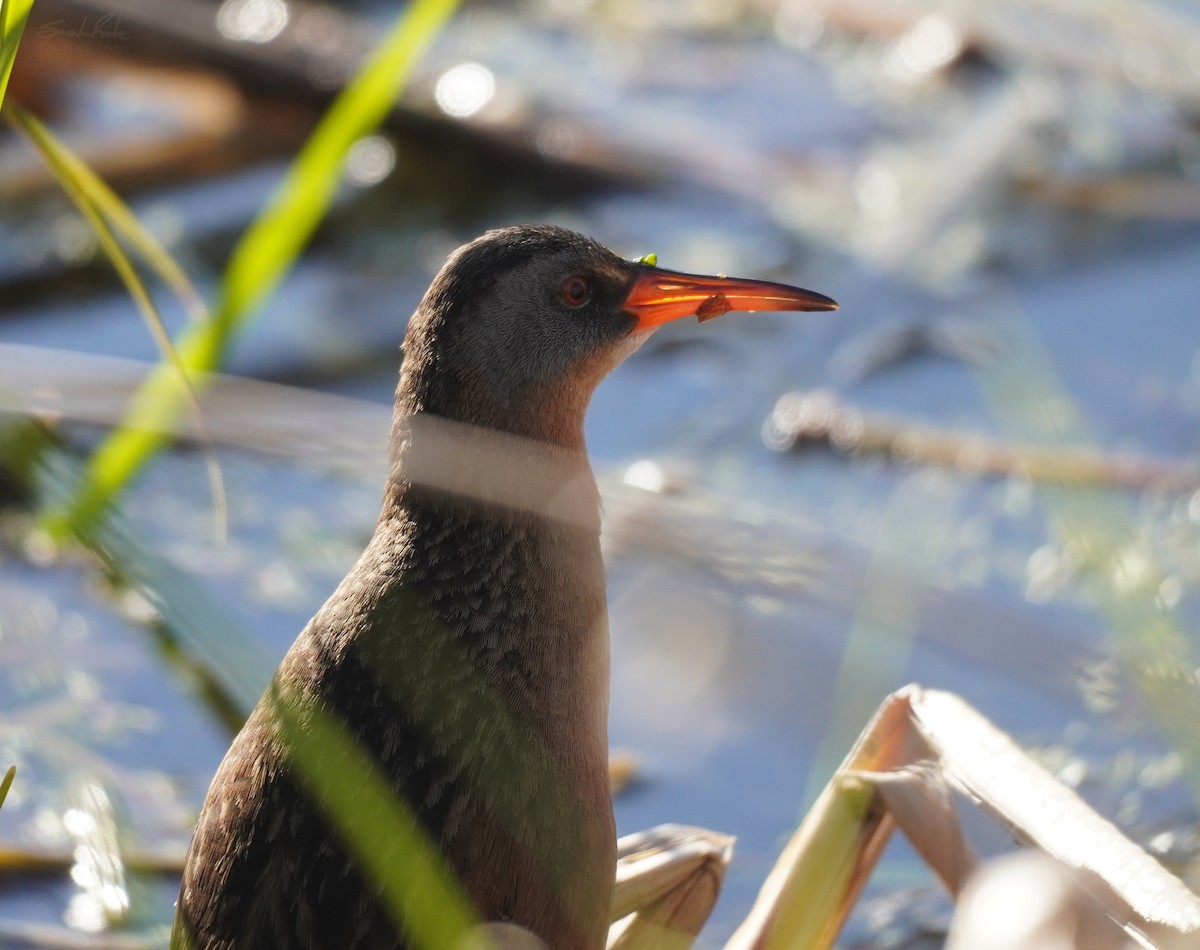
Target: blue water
(725, 678)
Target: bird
(466, 652)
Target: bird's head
(520, 326)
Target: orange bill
(660, 295)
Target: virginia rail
(467, 650)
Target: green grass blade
(125, 223)
(13, 15)
(6, 783)
(265, 253)
(277, 236)
(422, 895)
(78, 182)
(94, 199)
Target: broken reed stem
(803, 418)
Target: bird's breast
(471, 653)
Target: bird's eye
(575, 291)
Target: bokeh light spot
(464, 90)
(252, 21)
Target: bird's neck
(548, 411)
(489, 474)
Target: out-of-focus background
(982, 474)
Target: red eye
(575, 291)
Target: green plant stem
(262, 257)
(13, 16)
(95, 202)
(6, 783)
